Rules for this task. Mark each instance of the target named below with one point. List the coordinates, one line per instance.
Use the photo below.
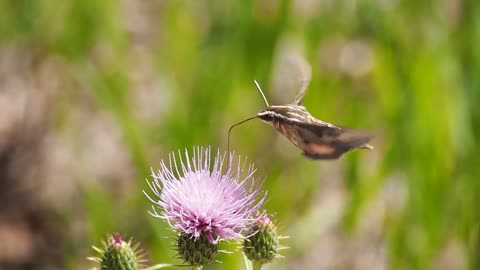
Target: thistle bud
(117, 254)
(197, 252)
(262, 247)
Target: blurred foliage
(419, 95)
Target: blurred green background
(94, 93)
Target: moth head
(266, 116)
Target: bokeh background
(95, 93)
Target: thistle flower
(201, 199)
(117, 254)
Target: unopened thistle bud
(197, 252)
(117, 254)
(263, 246)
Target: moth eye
(265, 116)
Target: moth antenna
(230, 130)
(261, 92)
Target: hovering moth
(316, 138)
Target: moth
(316, 138)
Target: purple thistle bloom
(199, 201)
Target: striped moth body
(317, 139)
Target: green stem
(164, 265)
(257, 265)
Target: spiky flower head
(199, 198)
(263, 245)
(197, 251)
(117, 254)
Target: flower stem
(257, 265)
(164, 265)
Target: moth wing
(304, 77)
(355, 139)
(328, 141)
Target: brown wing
(326, 142)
